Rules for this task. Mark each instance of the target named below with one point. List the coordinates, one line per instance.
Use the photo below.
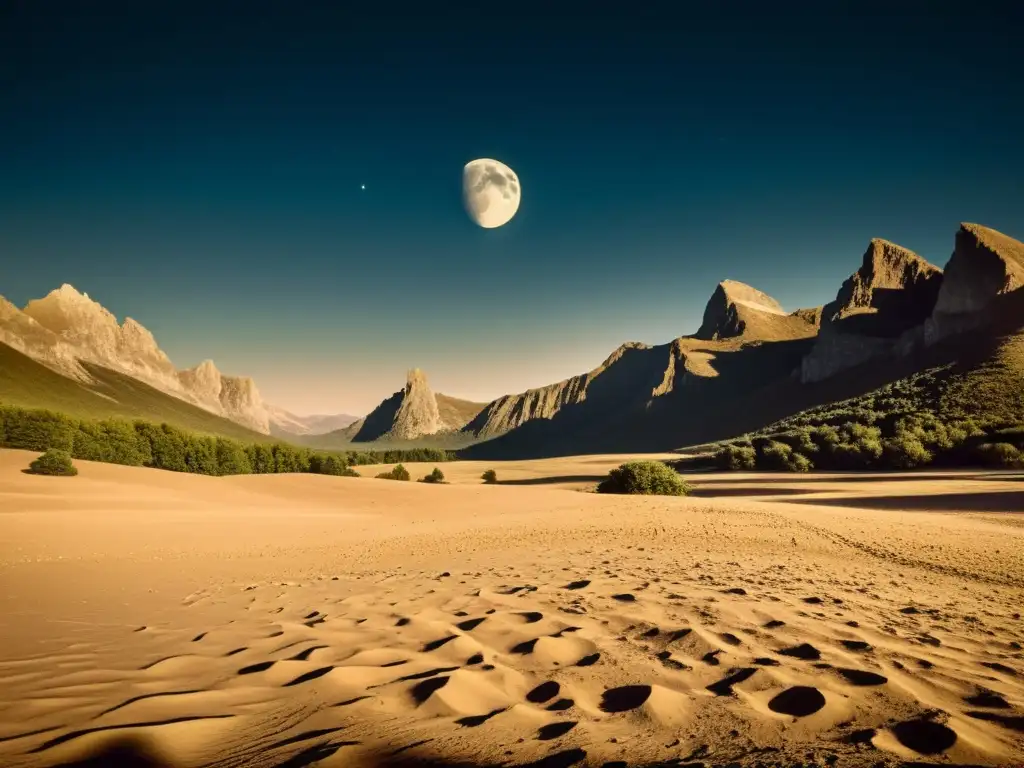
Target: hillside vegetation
(28, 384)
(964, 413)
(163, 446)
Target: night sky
(197, 166)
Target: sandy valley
(298, 620)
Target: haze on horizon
(201, 170)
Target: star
(362, 186)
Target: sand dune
(299, 620)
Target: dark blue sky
(198, 167)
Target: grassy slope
(26, 383)
(978, 376)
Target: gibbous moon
(490, 192)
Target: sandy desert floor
(289, 621)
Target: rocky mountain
(413, 412)
(66, 330)
(737, 310)
(894, 291)
(985, 265)
(751, 363)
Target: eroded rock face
(66, 328)
(21, 332)
(97, 337)
(810, 315)
(894, 291)
(736, 310)
(985, 264)
(418, 414)
(235, 397)
(726, 312)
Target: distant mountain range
(71, 334)
(750, 362)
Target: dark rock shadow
(992, 501)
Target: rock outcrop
(417, 414)
(66, 329)
(985, 265)
(736, 310)
(235, 397)
(810, 315)
(893, 292)
(97, 337)
(21, 332)
(413, 412)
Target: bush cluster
(644, 477)
(54, 462)
(397, 472)
(895, 441)
(145, 444)
(435, 476)
(489, 476)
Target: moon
(490, 192)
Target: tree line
(142, 443)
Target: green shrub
(261, 458)
(435, 476)
(998, 455)
(53, 462)
(39, 430)
(161, 446)
(774, 455)
(644, 477)
(232, 458)
(398, 472)
(736, 457)
(489, 476)
(799, 463)
(905, 451)
(201, 455)
(288, 458)
(167, 446)
(113, 441)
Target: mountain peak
(985, 264)
(415, 378)
(893, 283)
(736, 309)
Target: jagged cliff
(985, 265)
(65, 329)
(750, 362)
(637, 380)
(892, 292)
(749, 359)
(234, 396)
(413, 412)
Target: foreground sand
(301, 620)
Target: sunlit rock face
(66, 328)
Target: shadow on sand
(701, 492)
(859, 477)
(133, 753)
(994, 501)
(595, 479)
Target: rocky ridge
(66, 329)
(892, 292)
